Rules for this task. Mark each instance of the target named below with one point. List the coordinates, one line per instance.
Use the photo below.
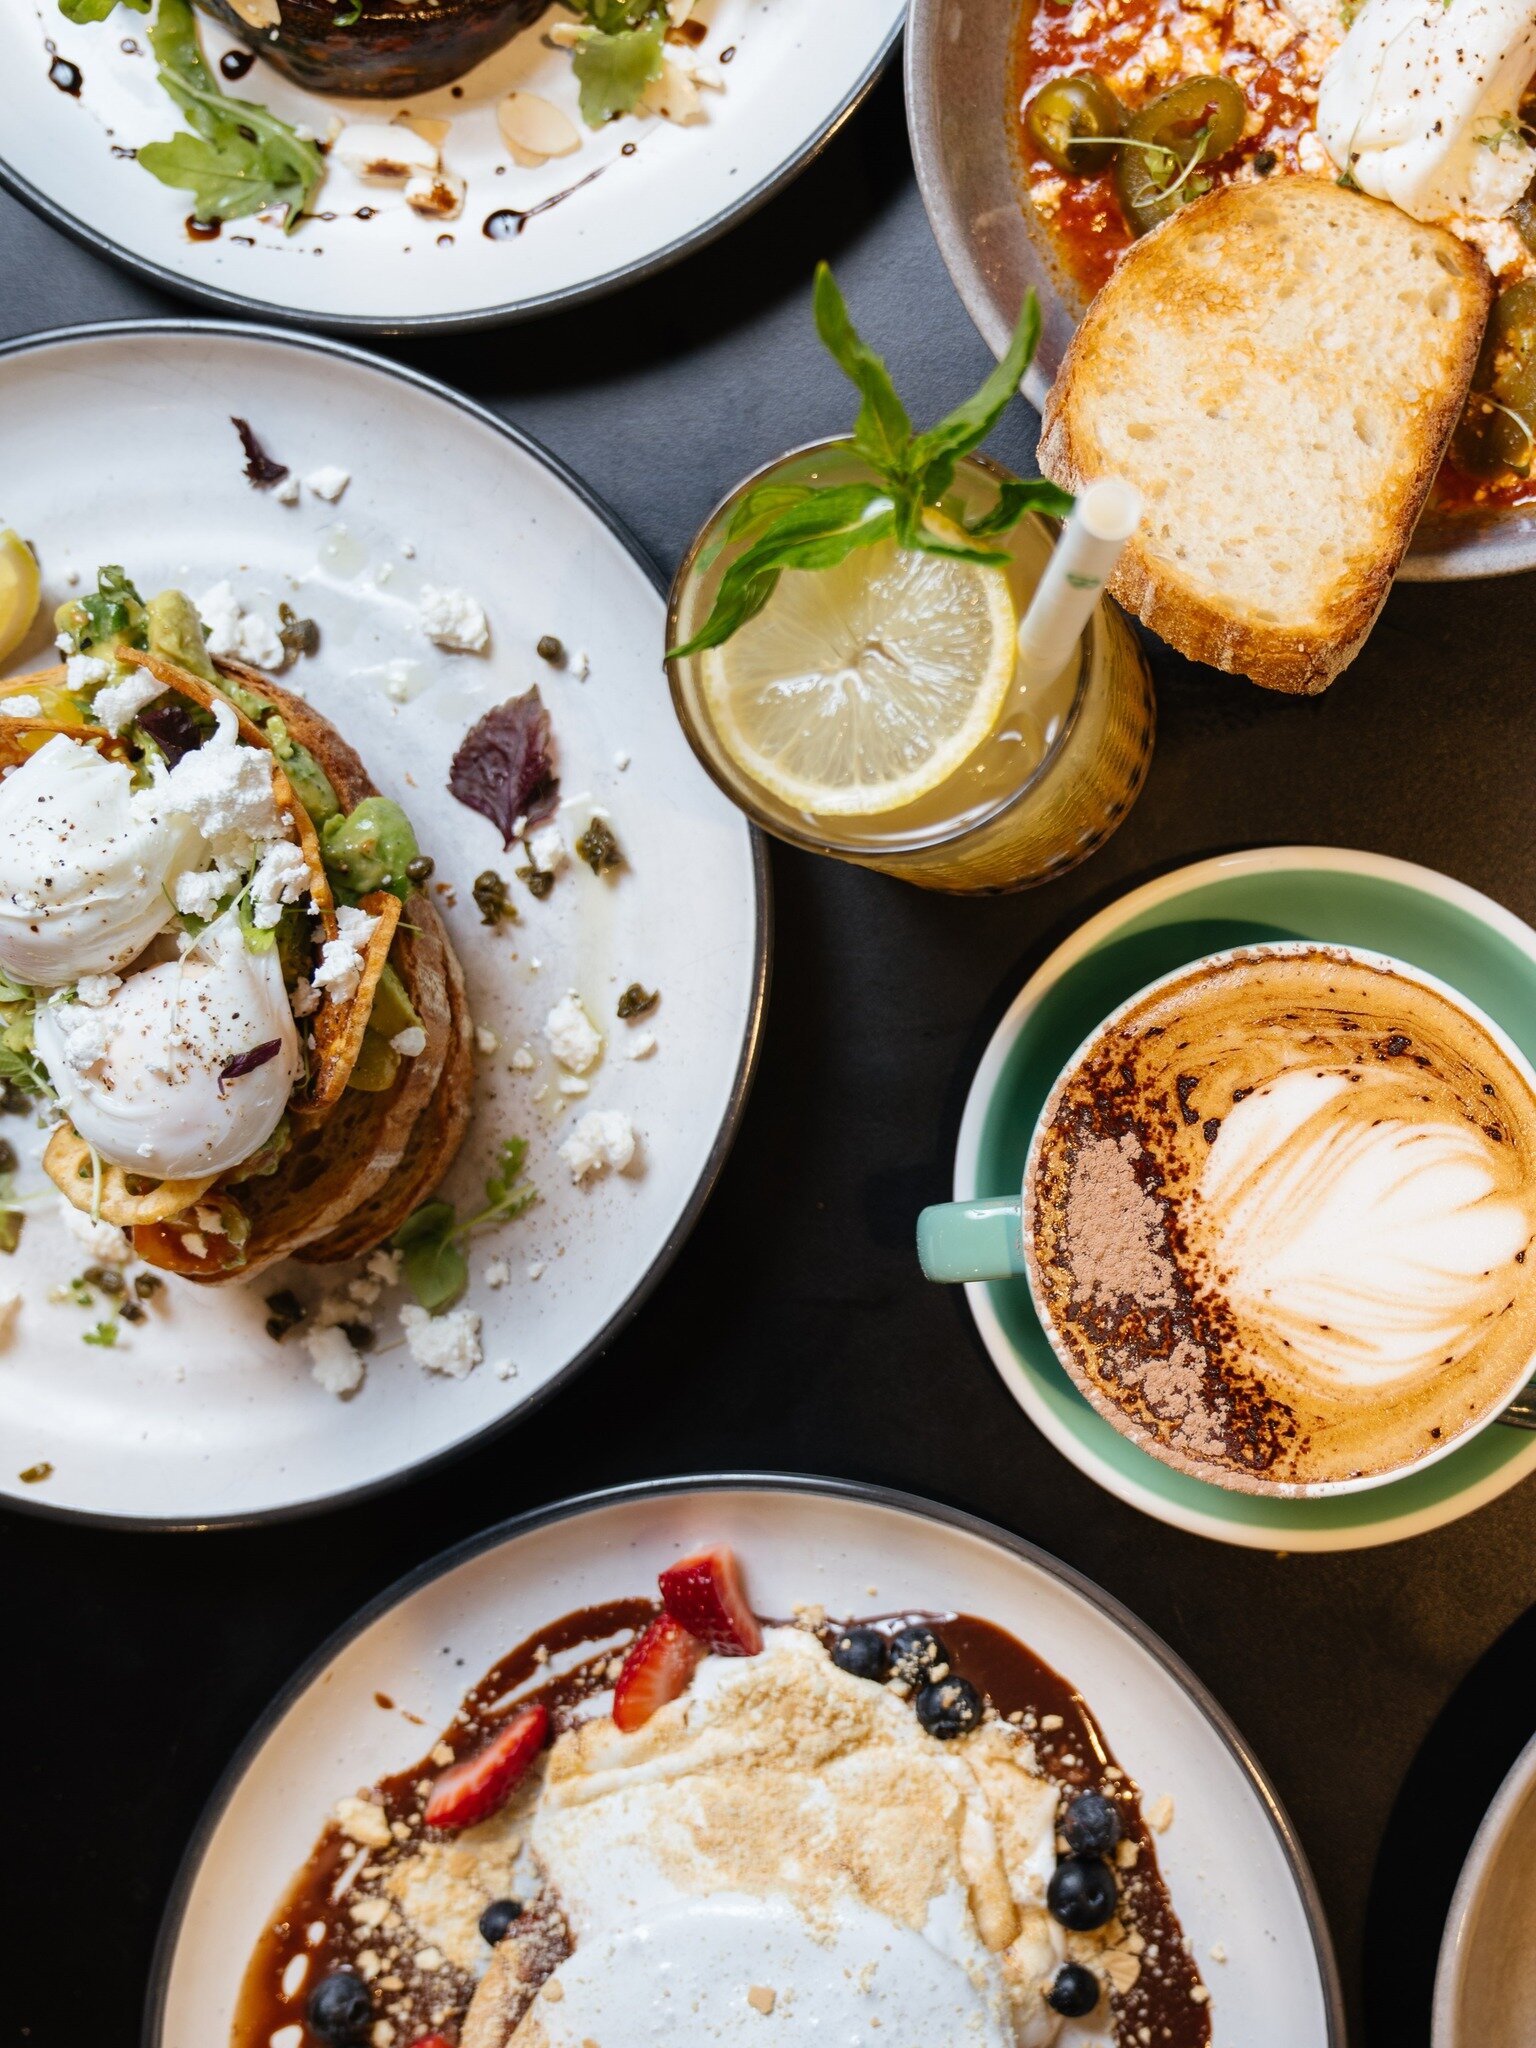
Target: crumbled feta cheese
(547, 848)
(581, 664)
(453, 619)
(84, 1032)
(287, 492)
(10, 1308)
(21, 707)
(283, 877)
(535, 1270)
(363, 1821)
(96, 989)
(120, 703)
(232, 630)
(195, 1243)
(486, 1040)
(341, 958)
(604, 1138)
(383, 153)
(497, 1273)
(197, 895)
(385, 1266)
(224, 788)
(573, 1038)
(65, 643)
(303, 1000)
(621, 761)
(571, 1084)
(364, 1291)
(328, 482)
(334, 1364)
(410, 1043)
(505, 1369)
(85, 671)
(641, 1046)
(103, 1241)
(447, 1344)
(523, 1060)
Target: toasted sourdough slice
(1278, 368)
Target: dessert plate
(1234, 1870)
(1485, 1985)
(1271, 893)
(633, 197)
(116, 446)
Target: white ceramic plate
(1237, 1878)
(1485, 1985)
(795, 71)
(1328, 894)
(116, 445)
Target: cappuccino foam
(1280, 1219)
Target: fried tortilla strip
(105, 1192)
(188, 685)
(338, 1027)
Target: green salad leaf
(435, 1268)
(97, 10)
(805, 526)
(614, 66)
(239, 158)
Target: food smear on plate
(1129, 110)
(674, 1813)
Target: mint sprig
(808, 526)
(240, 158)
(436, 1270)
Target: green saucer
(1321, 893)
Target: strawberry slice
(658, 1668)
(705, 1594)
(481, 1784)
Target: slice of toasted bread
(1278, 369)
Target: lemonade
(874, 709)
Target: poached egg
(87, 874)
(1420, 105)
(143, 1075)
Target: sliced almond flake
(534, 128)
(673, 95)
(426, 126)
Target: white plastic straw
(1105, 516)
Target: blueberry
(498, 1917)
(1074, 1992)
(948, 1707)
(339, 2008)
(1081, 1894)
(862, 1652)
(1091, 1824)
(914, 1653)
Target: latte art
(1279, 1220)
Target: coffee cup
(1278, 1219)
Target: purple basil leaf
(172, 728)
(505, 766)
(248, 1062)
(261, 470)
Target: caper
(1075, 122)
(599, 848)
(1196, 122)
(1497, 433)
(420, 869)
(7, 1156)
(552, 651)
(107, 1278)
(147, 1285)
(131, 1312)
(1522, 217)
(491, 899)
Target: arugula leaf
(818, 533)
(805, 526)
(104, 1334)
(240, 158)
(97, 10)
(613, 68)
(22, 1072)
(436, 1270)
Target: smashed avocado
(369, 849)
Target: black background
(1383, 1689)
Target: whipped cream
(789, 1831)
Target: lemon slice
(859, 689)
(20, 593)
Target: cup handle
(972, 1240)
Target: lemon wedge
(20, 592)
(861, 688)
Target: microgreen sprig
(436, 1270)
(807, 526)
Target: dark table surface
(1379, 1688)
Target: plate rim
(858, 1492)
(1082, 940)
(1450, 1964)
(762, 910)
(507, 313)
(1457, 550)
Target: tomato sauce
(1140, 47)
